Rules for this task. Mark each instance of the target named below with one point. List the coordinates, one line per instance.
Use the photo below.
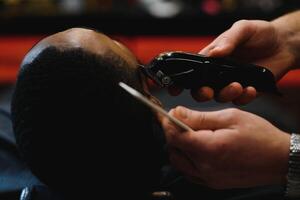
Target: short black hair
(75, 127)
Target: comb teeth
(153, 106)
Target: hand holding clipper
(192, 71)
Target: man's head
(75, 127)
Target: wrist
(283, 150)
(287, 28)
(293, 176)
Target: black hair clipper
(191, 71)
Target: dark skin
(215, 132)
(87, 39)
(92, 41)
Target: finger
(170, 129)
(208, 125)
(227, 42)
(248, 95)
(205, 51)
(203, 122)
(200, 120)
(203, 94)
(185, 141)
(230, 92)
(174, 90)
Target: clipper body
(192, 71)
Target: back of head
(76, 128)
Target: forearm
(288, 27)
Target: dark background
(136, 17)
(147, 27)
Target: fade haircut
(78, 131)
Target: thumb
(226, 43)
(200, 120)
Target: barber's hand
(228, 148)
(255, 41)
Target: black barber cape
(18, 183)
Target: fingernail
(171, 111)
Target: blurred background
(147, 27)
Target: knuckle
(242, 23)
(226, 38)
(231, 113)
(244, 26)
(200, 117)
